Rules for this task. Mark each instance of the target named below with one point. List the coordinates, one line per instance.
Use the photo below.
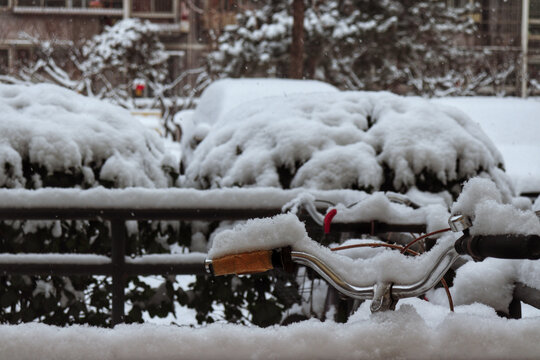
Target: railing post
(118, 229)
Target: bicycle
(383, 286)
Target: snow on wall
(339, 139)
(55, 128)
(417, 330)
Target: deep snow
(514, 126)
(416, 330)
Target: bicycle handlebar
(479, 247)
(499, 246)
(250, 262)
(284, 257)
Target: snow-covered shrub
(108, 66)
(46, 131)
(125, 53)
(358, 140)
(53, 137)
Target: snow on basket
(329, 140)
(46, 130)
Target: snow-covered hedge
(359, 140)
(46, 131)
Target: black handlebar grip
(499, 246)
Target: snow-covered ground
(514, 126)
(417, 330)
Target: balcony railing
(140, 8)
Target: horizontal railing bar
(377, 227)
(101, 269)
(133, 214)
(165, 269)
(65, 269)
(189, 215)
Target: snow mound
(516, 139)
(226, 94)
(362, 140)
(45, 129)
(482, 200)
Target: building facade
(187, 25)
(184, 25)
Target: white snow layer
(137, 198)
(225, 94)
(513, 125)
(82, 259)
(417, 330)
(339, 139)
(483, 201)
(63, 131)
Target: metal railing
(118, 268)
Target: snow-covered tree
(122, 55)
(354, 44)
(108, 66)
(112, 64)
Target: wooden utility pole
(296, 65)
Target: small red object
(139, 88)
(328, 220)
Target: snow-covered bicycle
(381, 276)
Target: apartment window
(4, 3)
(29, 3)
(109, 4)
(162, 5)
(22, 57)
(534, 9)
(224, 5)
(158, 6)
(55, 3)
(4, 61)
(113, 4)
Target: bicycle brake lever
(459, 222)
